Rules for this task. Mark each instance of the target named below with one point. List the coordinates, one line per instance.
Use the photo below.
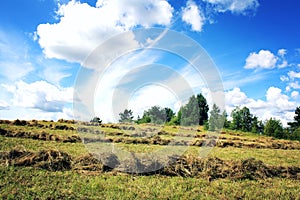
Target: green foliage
(126, 116)
(274, 128)
(195, 111)
(257, 126)
(144, 119)
(203, 109)
(294, 130)
(242, 119)
(96, 120)
(169, 114)
(216, 120)
(190, 112)
(157, 115)
(176, 119)
(295, 135)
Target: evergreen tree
(274, 128)
(216, 120)
(203, 109)
(195, 112)
(126, 116)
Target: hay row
(52, 160)
(157, 140)
(184, 166)
(40, 136)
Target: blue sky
(44, 44)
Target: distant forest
(197, 112)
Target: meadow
(61, 160)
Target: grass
(26, 183)
(30, 183)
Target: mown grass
(27, 183)
(268, 156)
(30, 183)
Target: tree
(96, 121)
(144, 119)
(195, 112)
(203, 109)
(126, 116)
(294, 131)
(236, 119)
(274, 128)
(190, 112)
(176, 120)
(169, 114)
(216, 120)
(241, 119)
(296, 123)
(156, 115)
(257, 126)
(224, 118)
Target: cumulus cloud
(263, 59)
(293, 75)
(192, 15)
(295, 94)
(234, 6)
(284, 78)
(3, 105)
(276, 105)
(81, 27)
(282, 52)
(39, 95)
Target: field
(58, 160)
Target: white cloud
(29, 114)
(14, 71)
(236, 97)
(143, 99)
(284, 78)
(276, 105)
(192, 15)
(294, 75)
(295, 94)
(294, 85)
(282, 52)
(234, 6)
(55, 73)
(263, 59)
(14, 62)
(39, 95)
(283, 64)
(83, 27)
(3, 105)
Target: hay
(88, 162)
(52, 160)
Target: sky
(78, 59)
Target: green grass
(26, 183)
(30, 183)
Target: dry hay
(214, 168)
(184, 166)
(52, 160)
(88, 162)
(42, 135)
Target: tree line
(195, 112)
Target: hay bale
(88, 162)
(52, 160)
